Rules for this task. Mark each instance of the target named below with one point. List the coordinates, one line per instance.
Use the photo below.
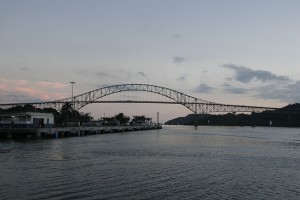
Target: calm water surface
(173, 163)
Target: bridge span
(194, 104)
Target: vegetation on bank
(68, 115)
(121, 119)
(288, 116)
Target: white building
(27, 120)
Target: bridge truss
(194, 104)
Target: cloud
(288, 93)
(178, 60)
(177, 36)
(203, 88)
(247, 75)
(82, 72)
(226, 85)
(20, 83)
(103, 85)
(102, 74)
(33, 92)
(234, 90)
(15, 98)
(142, 74)
(181, 78)
(51, 84)
(151, 29)
(40, 90)
(267, 85)
(4, 87)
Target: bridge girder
(194, 104)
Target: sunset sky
(226, 51)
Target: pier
(59, 132)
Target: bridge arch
(90, 97)
(194, 104)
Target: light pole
(72, 82)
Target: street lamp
(72, 82)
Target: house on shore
(26, 120)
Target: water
(176, 162)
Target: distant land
(288, 116)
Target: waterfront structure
(27, 120)
(58, 132)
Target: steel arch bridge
(194, 104)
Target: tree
(138, 120)
(29, 108)
(85, 117)
(66, 111)
(123, 119)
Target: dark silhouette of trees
(85, 117)
(66, 111)
(123, 119)
(288, 116)
(139, 120)
(66, 114)
(119, 119)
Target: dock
(60, 132)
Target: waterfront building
(27, 120)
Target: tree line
(67, 114)
(121, 119)
(288, 116)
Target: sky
(226, 51)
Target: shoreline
(61, 132)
